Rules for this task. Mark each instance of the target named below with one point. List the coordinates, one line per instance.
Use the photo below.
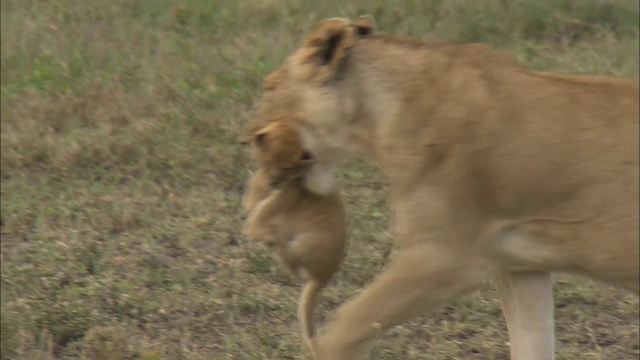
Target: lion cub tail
(308, 300)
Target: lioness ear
(329, 40)
(365, 25)
(324, 50)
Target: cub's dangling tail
(306, 307)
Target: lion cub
(308, 231)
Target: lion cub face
(278, 149)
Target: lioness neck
(392, 76)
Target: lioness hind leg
(417, 280)
(527, 305)
(520, 247)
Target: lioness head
(278, 149)
(311, 86)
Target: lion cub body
(307, 230)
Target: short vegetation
(122, 177)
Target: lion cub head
(279, 151)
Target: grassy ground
(121, 178)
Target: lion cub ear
(260, 138)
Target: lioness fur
(307, 230)
(493, 169)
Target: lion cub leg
(317, 267)
(292, 255)
(257, 190)
(258, 223)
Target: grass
(122, 177)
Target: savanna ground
(122, 177)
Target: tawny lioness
(495, 172)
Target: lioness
(493, 169)
(308, 230)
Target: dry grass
(121, 178)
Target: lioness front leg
(527, 303)
(418, 279)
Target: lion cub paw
(253, 231)
(256, 235)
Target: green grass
(122, 177)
